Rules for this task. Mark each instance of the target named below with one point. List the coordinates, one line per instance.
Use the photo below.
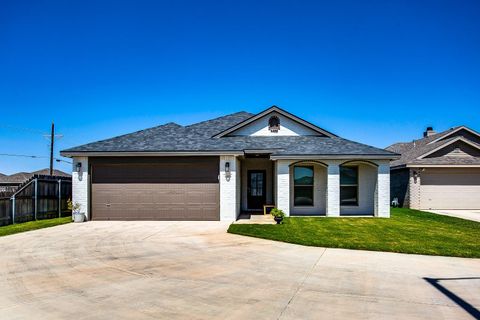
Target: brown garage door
(450, 188)
(155, 188)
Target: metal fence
(40, 197)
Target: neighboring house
(439, 171)
(11, 182)
(216, 169)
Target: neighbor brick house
(216, 169)
(438, 171)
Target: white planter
(79, 217)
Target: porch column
(383, 189)
(333, 189)
(283, 186)
(228, 188)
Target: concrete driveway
(473, 215)
(194, 270)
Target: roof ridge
(218, 118)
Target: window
(349, 186)
(274, 124)
(302, 186)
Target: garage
(154, 188)
(450, 188)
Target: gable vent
(274, 124)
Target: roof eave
(334, 157)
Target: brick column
(333, 189)
(81, 185)
(283, 185)
(228, 189)
(383, 190)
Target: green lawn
(406, 231)
(32, 225)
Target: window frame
(304, 185)
(357, 185)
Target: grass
(406, 231)
(32, 225)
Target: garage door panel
(155, 201)
(450, 189)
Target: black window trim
(305, 185)
(356, 204)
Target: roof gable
(453, 148)
(257, 125)
(460, 131)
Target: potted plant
(278, 215)
(75, 207)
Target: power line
(31, 156)
(7, 126)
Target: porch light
(78, 166)
(227, 167)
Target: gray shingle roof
(411, 151)
(172, 137)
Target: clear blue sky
(372, 71)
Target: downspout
(36, 198)
(60, 198)
(13, 208)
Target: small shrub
(74, 207)
(277, 213)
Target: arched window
(274, 124)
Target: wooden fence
(41, 197)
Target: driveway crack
(307, 275)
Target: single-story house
(9, 183)
(216, 169)
(439, 171)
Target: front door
(257, 189)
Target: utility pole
(52, 137)
(52, 140)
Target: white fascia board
(443, 165)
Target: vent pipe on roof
(429, 132)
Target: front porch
(308, 187)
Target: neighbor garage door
(450, 188)
(155, 188)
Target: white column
(283, 186)
(383, 189)
(333, 189)
(81, 185)
(228, 189)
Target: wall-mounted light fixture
(227, 167)
(78, 166)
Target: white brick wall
(81, 185)
(383, 189)
(283, 185)
(228, 190)
(333, 188)
(414, 189)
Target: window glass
(349, 186)
(303, 176)
(348, 175)
(303, 186)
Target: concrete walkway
(195, 270)
(473, 215)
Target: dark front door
(257, 189)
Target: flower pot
(278, 219)
(78, 217)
